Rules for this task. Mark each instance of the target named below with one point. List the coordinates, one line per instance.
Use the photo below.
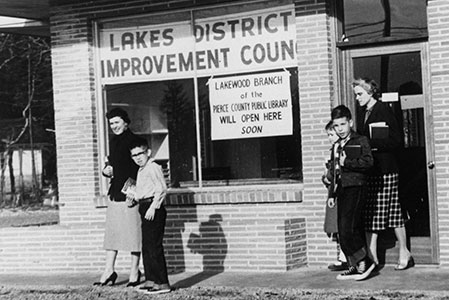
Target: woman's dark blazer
(384, 150)
(122, 164)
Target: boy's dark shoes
(365, 267)
(338, 266)
(349, 274)
(361, 272)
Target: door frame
(347, 96)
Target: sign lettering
(250, 41)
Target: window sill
(276, 191)
(236, 182)
(242, 194)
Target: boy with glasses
(150, 194)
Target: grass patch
(30, 216)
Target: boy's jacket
(354, 170)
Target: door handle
(431, 164)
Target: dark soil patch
(29, 216)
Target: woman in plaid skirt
(383, 209)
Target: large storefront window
(264, 158)
(163, 113)
(215, 92)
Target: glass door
(401, 72)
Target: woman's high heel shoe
(410, 263)
(112, 278)
(135, 283)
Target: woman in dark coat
(123, 227)
(383, 209)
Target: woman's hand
(130, 200)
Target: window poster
(250, 106)
(235, 43)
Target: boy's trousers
(153, 256)
(351, 202)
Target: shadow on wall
(212, 245)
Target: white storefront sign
(244, 42)
(250, 106)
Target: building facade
(233, 97)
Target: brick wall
(58, 248)
(75, 118)
(438, 24)
(251, 229)
(315, 94)
(227, 235)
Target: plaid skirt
(383, 209)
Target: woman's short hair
(369, 85)
(118, 112)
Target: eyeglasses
(137, 154)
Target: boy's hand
(149, 215)
(342, 158)
(331, 202)
(108, 171)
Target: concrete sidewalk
(420, 278)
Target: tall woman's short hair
(369, 85)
